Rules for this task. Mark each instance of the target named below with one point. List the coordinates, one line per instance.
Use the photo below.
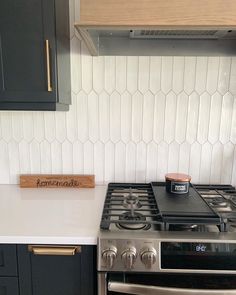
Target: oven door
(169, 284)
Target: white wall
(131, 119)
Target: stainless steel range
(154, 242)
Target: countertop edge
(48, 240)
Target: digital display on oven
(206, 256)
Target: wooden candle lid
(179, 177)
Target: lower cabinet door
(8, 261)
(57, 270)
(9, 286)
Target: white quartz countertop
(50, 216)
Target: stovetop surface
(147, 206)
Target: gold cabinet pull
(54, 250)
(47, 47)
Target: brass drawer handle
(54, 250)
(47, 48)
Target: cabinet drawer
(8, 261)
(9, 286)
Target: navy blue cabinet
(34, 55)
(8, 261)
(53, 270)
(47, 270)
(9, 284)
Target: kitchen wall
(131, 119)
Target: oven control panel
(167, 255)
(125, 255)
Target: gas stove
(146, 229)
(148, 207)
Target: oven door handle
(136, 289)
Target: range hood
(158, 27)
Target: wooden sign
(57, 181)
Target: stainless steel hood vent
(158, 27)
(158, 42)
(177, 34)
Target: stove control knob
(109, 255)
(128, 257)
(148, 256)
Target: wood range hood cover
(158, 27)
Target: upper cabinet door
(27, 51)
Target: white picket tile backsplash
(205, 165)
(155, 74)
(126, 111)
(226, 117)
(233, 128)
(189, 74)
(35, 160)
(132, 74)
(232, 84)
(56, 148)
(217, 156)
(143, 74)
(195, 161)
(170, 117)
(151, 170)
(212, 74)
(5, 161)
(131, 119)
(121, 73)
(181, 117)
(148, 116)
(193, 118)
(45, 158)
(159, 117)
(184, 157)
(131, 163)
(224, 75)
(203, 118)
(178, 74)
(115, 111)
(110, 74)
(201, 74)
(166, 74)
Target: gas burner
(131, 201)
(218, 202)
(137, 219)
(183, 227)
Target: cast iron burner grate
(130, 206)
(221, 198)
(147, 206)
